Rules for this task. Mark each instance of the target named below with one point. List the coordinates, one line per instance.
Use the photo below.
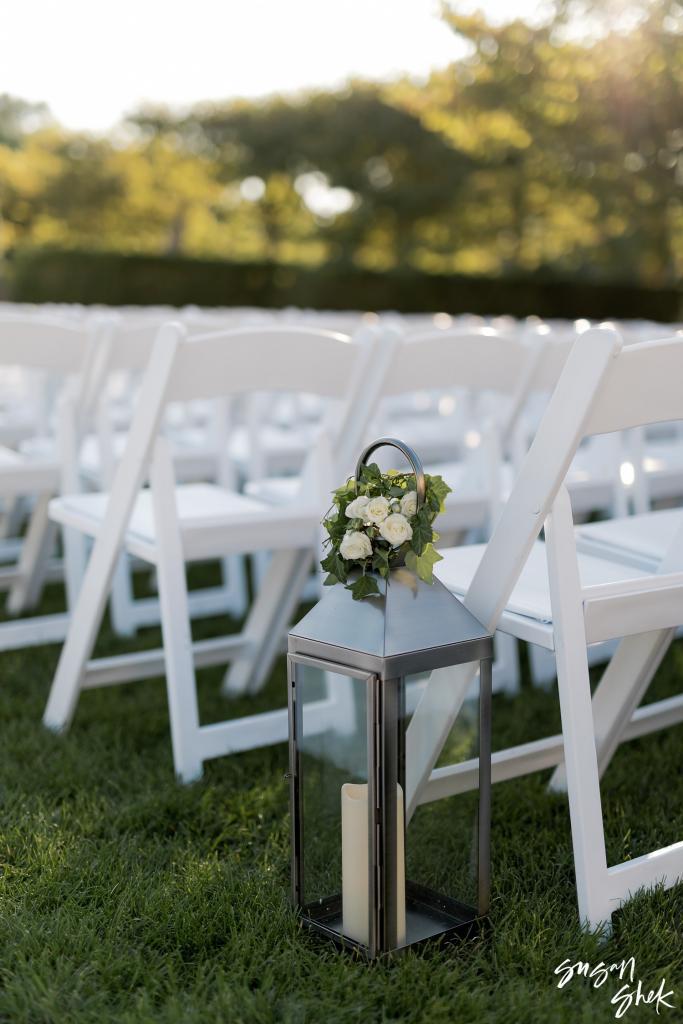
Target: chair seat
(640, 540)
(8, 457)
(27, 472)
(530, 599)
(213, 521)
(663, 465)
(17, 422)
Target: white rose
(356, 508)
(409, 503)
(396, 529)
(377, 510)
(355, 545)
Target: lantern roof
(412, 627)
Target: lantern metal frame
(431, 914)
(411, 627)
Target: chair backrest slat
(42, 344)
(645, 386)
(554, 355)
(131, 346)
(474, 360)
(259, 358)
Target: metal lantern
(362, 874)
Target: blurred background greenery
(541, 172)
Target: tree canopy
(540, 150)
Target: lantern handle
(411, 456)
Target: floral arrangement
(375, 524)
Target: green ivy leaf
(422, 531)
(334, 565)
(423, 565)
(335, 528)
(371, 474)
(437, 491)
(380, 561)
(348, 488)
(364, 586)
(330, 580)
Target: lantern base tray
(429, 915)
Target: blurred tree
(393, 169)
(584, 138)
(19, 118)
(555, 147)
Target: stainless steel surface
(372, 701)
(428, 915)
(412, 457)
(420, 925)
(484, 873)
(413, 626)
(295, 723)
(387, 773)
(328, 666)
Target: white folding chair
(65, 351)
(565, 601)
(640, 540)
(477, 364)
(198, 453)
(168, 525)
(593, 479)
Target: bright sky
(93, 60)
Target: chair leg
(13, 517)
(37, 583)
(260, 560)
(75, 546)
(620, 691)
(86, 617)
(121, 602)
(506, 664)
(181, 686)
(35, 551)
(270, 613)
(89, 608)
(542, 665)
(583, 783)
(544, 672)
(271, 645)
(235, 583)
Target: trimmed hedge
(50, 275)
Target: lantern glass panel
(442, 838)
(333, 750)
(434, 867)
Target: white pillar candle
(355, 906)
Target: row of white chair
(522, 368)
(629, 577)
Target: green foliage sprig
(375, 524)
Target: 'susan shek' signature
(631, 993)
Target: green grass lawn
(127, 897)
